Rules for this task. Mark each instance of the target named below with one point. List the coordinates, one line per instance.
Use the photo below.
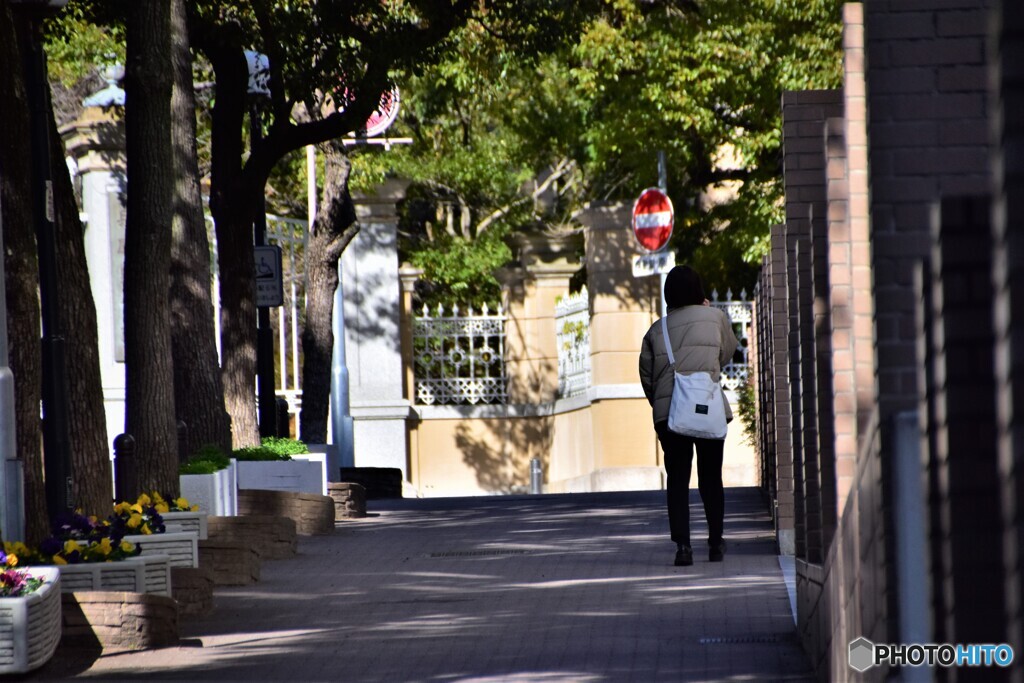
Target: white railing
(460, 359)
(290, 235)
(572, 329)
(740, 312)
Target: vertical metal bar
(264, 333)
(296, 377)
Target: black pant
(678, 462)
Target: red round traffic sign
(652, 219)
(384, 115)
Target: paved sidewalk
(545, 589)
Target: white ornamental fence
(460, 359)
(572, 327)
(740, 311)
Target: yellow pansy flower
(136, 508)
(143, 500)
(12, 560)
(162, 508)
(122, 508)
(104, 546)
(183, 504)
(134, 521)
(57, 559)
(127, 546)
(71, 546)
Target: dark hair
(683, 288)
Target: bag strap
(668, 342)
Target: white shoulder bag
(697, 408)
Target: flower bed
(30, 624)
(181, 548)
(140, 574)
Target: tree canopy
(700, 81)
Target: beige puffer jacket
(702, 340)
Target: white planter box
(30, 626)
(187, 522)
(215, 494)
(307, 473)
(140, 574)
(181, 549)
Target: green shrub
(206, 460)
(272, 448)
(748, 410)
(284, 446)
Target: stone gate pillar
(533, 287)
(623, 307)
(373, 341)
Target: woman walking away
(702, 340)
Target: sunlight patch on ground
(528, 677)
(432, 625)
(576, 583)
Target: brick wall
(964, 426)
(805, 177)
(858, 349)
(1007, 133)
(778, 336)
(925, 68)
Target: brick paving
(547, 589)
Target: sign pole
(663, 186)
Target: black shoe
(684, 556)
(716, 552)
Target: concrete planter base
(181, 548)
(187, 522)
(307, 473)
(140, 574)
(215, 494)
(30, 625)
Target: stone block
(193, 589)
(119, 622)
(312, 513)
(272, 537)
(229, 562)
(349, 500)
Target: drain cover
(478, 553)
(739, 640)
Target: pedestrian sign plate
(269, 289)
(653, 264)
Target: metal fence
(460, 359)
(740, 311)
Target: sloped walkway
(546, 589)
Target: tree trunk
(231, 203)
(198, 390)
(87, 419)
(149, 377)
(238, 322)
(334, 227)
(22, 278)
